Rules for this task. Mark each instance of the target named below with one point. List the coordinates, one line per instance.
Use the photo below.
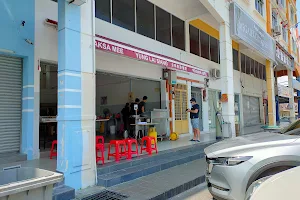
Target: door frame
(182, 125)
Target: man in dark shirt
(194, 115)
(142, 105)
(136, 102)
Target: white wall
(46, 36)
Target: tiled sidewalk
(164, 184)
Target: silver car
(234, 164)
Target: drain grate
(106, 195)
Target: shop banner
(246, 30)
(284, 57)
(115, 47)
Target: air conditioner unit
(215, 73)
(77, 2)
(276, 30)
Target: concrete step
(114, 166)
(115, 174)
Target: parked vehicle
(234, 164)
(284, 185)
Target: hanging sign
(115, 47)
(284, 58)
(247, 31)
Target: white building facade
(122, 54)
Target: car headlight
(254, 186)
(232, 161)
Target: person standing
(136, 102)
(125, 115)
(142, 109)
(194, 115)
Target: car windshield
(291, 129)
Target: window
(214, 49)
(252, 67)
(204, 42)
(243, 63)
(102, 10)
(257, 69)
(235, 57)
(178, 35)
(281, 3)
(274, 19)
(145, 18)
(259, 6)
(284, 34)
(248, 65)
(194, 41)
(261, 67)
(294, 45)
(123, 14)
(264, 72)
(292, 17)
(163, 26)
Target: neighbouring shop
(10, 104)
(247, 32)
(48, 105)
(251, 111)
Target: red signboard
(108, 45)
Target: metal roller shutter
(10, 103)
(251, 111)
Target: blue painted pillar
(76, 94)
(298, 95)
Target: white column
(227, 78)
(187, 36)
(291, 99)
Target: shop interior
(112, 93)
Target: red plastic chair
(129, 151)
(52, 152)
(100, 147)
(118, 145)
(149, 142)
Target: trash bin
(27, 183)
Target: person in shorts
(194, 115)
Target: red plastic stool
(149, 148)
(52, 152)
(118, 144)
(130, 152)
(100, 147)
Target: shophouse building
(79, 60)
